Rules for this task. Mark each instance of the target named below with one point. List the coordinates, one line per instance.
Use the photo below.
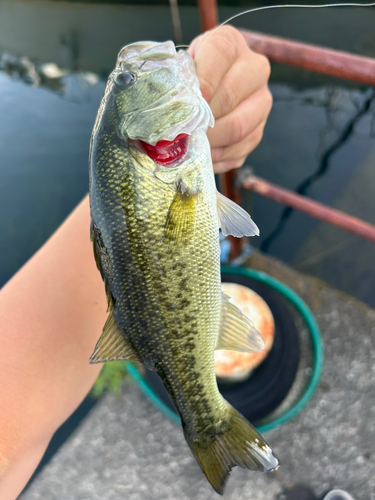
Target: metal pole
(176, 21)
(208, 14)
(230, 190)
(209, 19)
(320, 59)
(310, 207)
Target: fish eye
(124, 79)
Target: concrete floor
(126, 449)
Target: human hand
(234, 81)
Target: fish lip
(146, 50)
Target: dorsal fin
(112, 345)
(238, 333)
(95, 248)
(100, 255)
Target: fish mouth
(166, 153)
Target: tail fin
(241, 444)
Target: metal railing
(321, 60)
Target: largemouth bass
(155, 216)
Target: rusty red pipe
(208, 14)
(310, 207)
(311, 57)
(209, 19)
(229, 189)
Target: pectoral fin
(233, 219)
(180, 223)
(238, 333)
(112, 345)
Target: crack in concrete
(305, 185)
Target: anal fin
(112, 345)
(238, 332)
(233, 219)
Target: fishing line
(295, 6)
(288, 6)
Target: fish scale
(155, 233)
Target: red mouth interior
(166, 152)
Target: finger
(241, 149)
(248, 74)
(195, 42)
(238, 124)
(214, 54)
(225, 166)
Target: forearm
(20, 470)
(51, 314)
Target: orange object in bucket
(233, 366)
